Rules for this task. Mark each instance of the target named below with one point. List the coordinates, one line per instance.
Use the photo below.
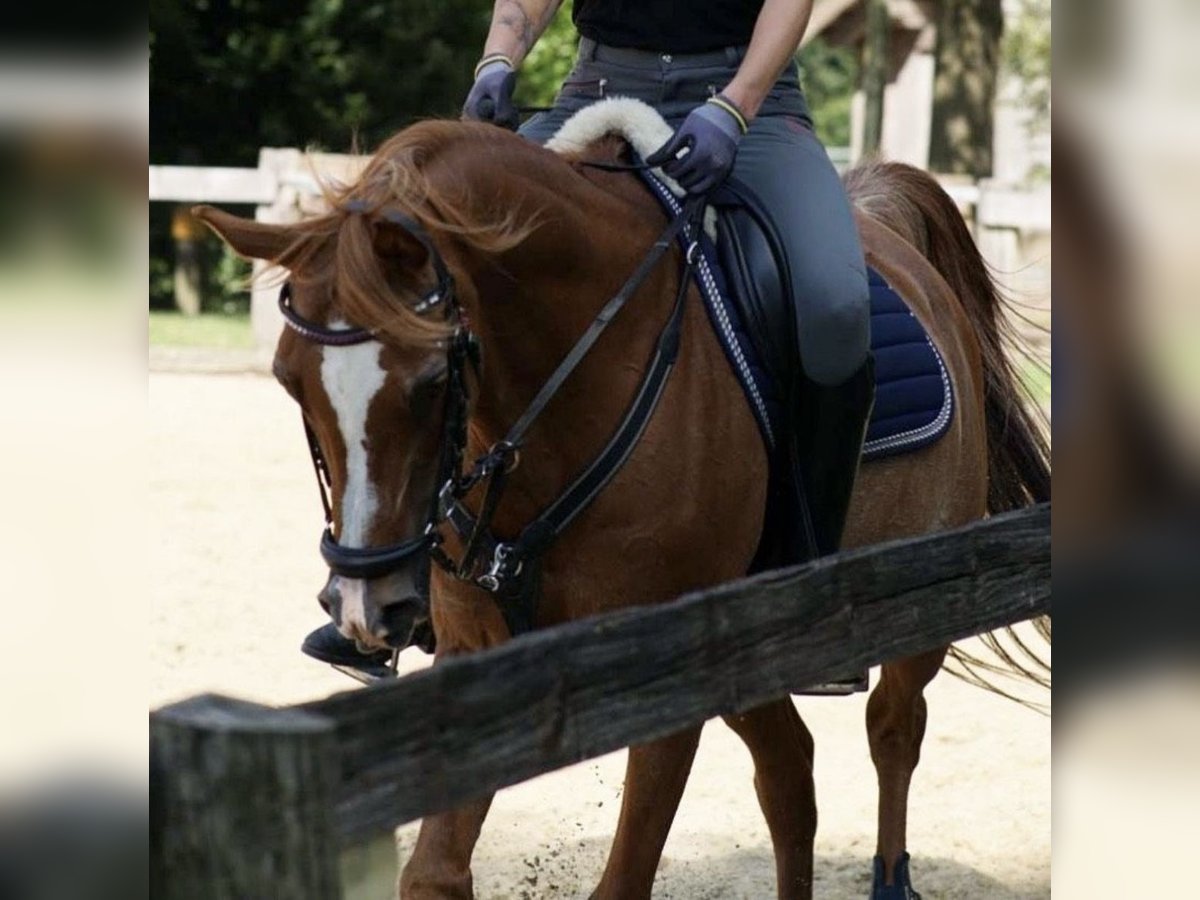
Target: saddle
(744, 278)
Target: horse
(533, 244)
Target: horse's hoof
(901, 887)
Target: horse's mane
(346, 248)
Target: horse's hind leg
(655, 776)
(782, 748)
(895, 728)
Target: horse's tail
(914, 205)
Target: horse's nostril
(329, 598)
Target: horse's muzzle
(378, 613)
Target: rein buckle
(504, 566)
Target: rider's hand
(490, 99)
(700, 154)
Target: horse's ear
(253, 240)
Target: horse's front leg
(895, 728)
(655, 775)
(782, 748)
(440, 865)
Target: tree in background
(964, 87)
(230, 76)
(829, 75)
(1027, 56)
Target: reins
(507, 572)
(508, 558)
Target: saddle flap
(757, 277)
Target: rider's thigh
(542, 126)
(785, 164)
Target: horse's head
(374, 402)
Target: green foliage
(230, 76)
(229, 280)
(829, 75)
(1026, 51)
(549, 61)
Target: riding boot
(327, 644)
(831, 428)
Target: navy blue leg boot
(901, 887)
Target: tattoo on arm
(525, 20)
(511, 14)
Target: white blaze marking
(354, 611)
(352, 376)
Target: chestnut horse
(535, 244)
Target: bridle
(461, 352)
(503, 568)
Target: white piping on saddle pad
(638, 123)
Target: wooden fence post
(266, 320)
(241, 802)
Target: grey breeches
(780, 159)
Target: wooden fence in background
(285, 187)
(254, 801)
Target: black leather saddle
(758, 284)
(751, 254)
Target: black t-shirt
(669, 26)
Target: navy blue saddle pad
(913, 399)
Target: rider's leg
(782, 161)
(327, 644)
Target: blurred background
(959, 88)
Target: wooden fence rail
(463, 729)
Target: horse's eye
(426, 387)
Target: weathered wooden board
(435, 739)
(240, 798)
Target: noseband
(500, 567)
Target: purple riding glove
(490, 99)
(700, 154)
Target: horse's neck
(533, 302)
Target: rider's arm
(777, 33)
(516, 26)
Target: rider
(722, 73)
